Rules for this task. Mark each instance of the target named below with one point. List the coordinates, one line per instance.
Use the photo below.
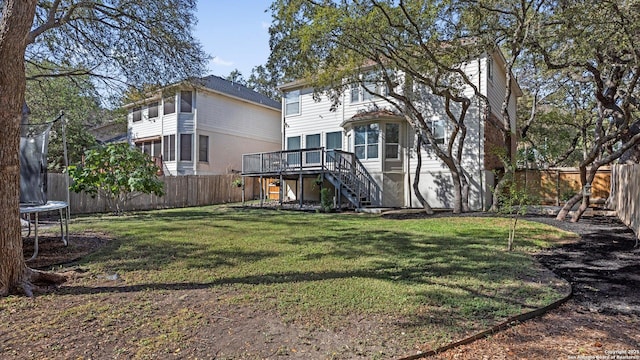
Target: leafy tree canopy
(118, 173)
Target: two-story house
(365, 150)
(203, 127)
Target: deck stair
(342, 169)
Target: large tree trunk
(416, 180)
(15, 24)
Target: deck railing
(344, 168)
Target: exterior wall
(315, 117)
(234, 127)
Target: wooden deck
(342, 169)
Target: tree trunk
(416, 180)
(15, 24)
(567, 207)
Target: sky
(235, 33)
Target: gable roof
(221, 85)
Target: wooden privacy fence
(625, 195)
(180, 191)
(555, 186)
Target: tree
(79, 100)
(264, 81)
(117, 173)
(117, 43)
(411, 48)
(236, 77)
(596, 45)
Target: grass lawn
(412, 284)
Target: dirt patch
(52, 251)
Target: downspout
(196, 139)
(481, 124)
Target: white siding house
(204, 127)
(384, 142)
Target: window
(371, 84)
(292, 103)
(313, 141)
(489, 68)
(366, 141)
(392, 141)
(185, 147)
(137, 113)
(438, 130)
(156, 146)
(293, 143)
(146, 148)
(153, 110)
(334, 140)
(186, 98)
(169, 153)
(203, 148)
(169, 106)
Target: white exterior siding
(396, 179)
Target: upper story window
(371, 84)
(438, 129)
(292, 103)
(153, 110)
(366, 141)
(392, 141)
(489, 68)
(169, 106)
(137, 113)
(186, 101)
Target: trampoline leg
(35, 240)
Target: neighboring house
(203, 127)
(113, 132)
(365, 150)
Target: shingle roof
(222, 85)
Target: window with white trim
(169, 105)
(186, 101)
(203, 148)
(333, 140)
(153, 110)
(392, 141)
(438, 129)
(292, 103)
(169, 148)
(186, 147)
(366, 141)
(137, 113)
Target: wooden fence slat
(180, 191)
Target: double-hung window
(292, 103)
(392, 141)
(186, 147)
(169, 105)
(153, 110)
(312, 141)
(137, 113)
(169, 151)
(203, 148)
(293, 143)
(186, 101)
(438, 130)
(366, 141)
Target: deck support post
(281, 192)
(261, 192)
(301, 195)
